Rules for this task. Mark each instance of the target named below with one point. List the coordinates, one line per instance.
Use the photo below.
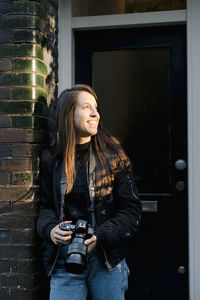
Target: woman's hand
(91, 243)
(60, 237)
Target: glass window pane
(108, 7)
(133, 87)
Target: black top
(77, 201)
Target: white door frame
(67, 25)
(193, 86)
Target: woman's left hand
(91, 243)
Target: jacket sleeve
(126, 221)
(47, 218)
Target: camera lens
(76, 258)
(75, 264)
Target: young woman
(117, 208)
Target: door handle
(149, 206)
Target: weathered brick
(5, 6)
(28, 207)
(23, 136)
(18, 281)
(25, 294)
(29, 65)
(15, 193)
(22, 79)
(17, 164)
(32, 8)
(18, 221)
(5, 149)
(10, 22)
(51, 6)
(22, 107)
(26, 149)
(16, 251)
(5, 36)
(5, 121)
(20, 93)
(21, 50)
(30, 122)
(4, 236)
(4, 267)
(29, 35)
(5, 65)
(26, 39)
(22, 236)
(5, 177)
(5, 93)
(24, 266)
(54, 3)
(5, 207)
(25, 178)
(5, 294)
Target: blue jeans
(102, 284)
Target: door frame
(68, 24)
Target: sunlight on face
(86, 117)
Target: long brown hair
(105, 146)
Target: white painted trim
(65, 42)
(67, 25)
(126, 20)
(193, 59)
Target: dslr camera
(75, 261)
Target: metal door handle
(149, 206)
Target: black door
(140, 78)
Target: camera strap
(92, 186)
(63, 186)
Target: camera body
(77, 250)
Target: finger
(60, 237)
(91, 247)
(66, 222)
(60, 232)
(91, 240)
(63, 233)
(59, 241)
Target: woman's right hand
(60, 237)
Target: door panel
(140, 79)
(143, 109)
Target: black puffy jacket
(117, 211)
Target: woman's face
(86, 117)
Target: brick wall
(28, 77)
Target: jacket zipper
(108, 265)
(131, 184)
(92, 209)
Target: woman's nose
(94, 112)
